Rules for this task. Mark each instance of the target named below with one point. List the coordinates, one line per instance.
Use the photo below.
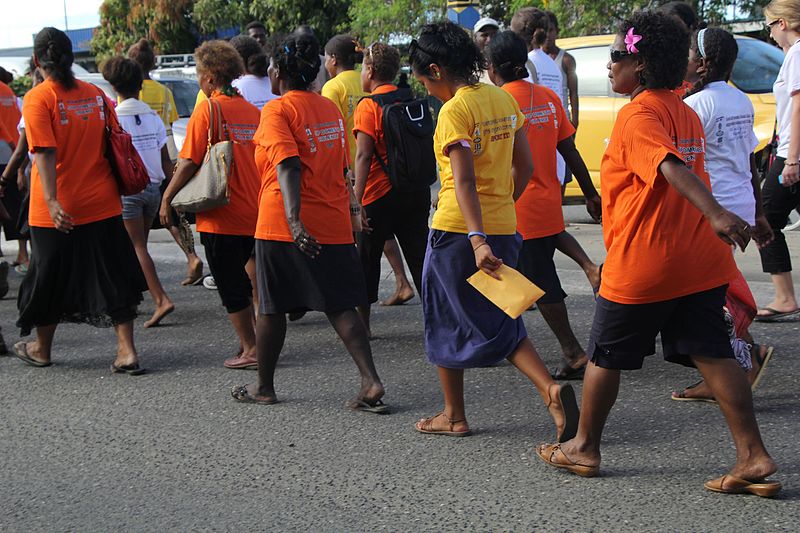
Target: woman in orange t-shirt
(387, 212)
(305, 253)
(669, 259)
(539, 216)
(226, 232)
(83, 266)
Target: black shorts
(536, 263)
(227, 256)
(694, 325)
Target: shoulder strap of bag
(211, 122)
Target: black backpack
(408, 133)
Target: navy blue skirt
(463, 329)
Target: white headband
(701, 37)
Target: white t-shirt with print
(550, 75)
(257, 91)
(787, 82)
(147, 132)
(727, 116)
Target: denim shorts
(145, 204)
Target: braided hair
(719, 50)
(253, 56)
(53, 50)
(297, 59)
(664, 48)
(508, 53)
(346, 51)
(447, 44)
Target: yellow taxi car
(756, 68)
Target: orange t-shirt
(659, 245)
(72, 122)
(9, 115)
(684, 89)
(539, 208)
(368, 119)
(309, 126)
(241, 120)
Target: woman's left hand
(595, 208)
(762, 232)
(165, 213)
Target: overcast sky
(23, 18)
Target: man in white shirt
(482, 33)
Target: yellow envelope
(513, 292)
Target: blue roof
(80, 39)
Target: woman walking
(781, 189)
(83, 266)
(150, 140)
(304, 241)
(226, 232)
(254, 84)
(485, 164)
(668, 259)
(387, 212)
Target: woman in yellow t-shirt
(344, 88)
(484, 165)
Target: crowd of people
(319, 191)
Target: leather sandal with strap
(729, 484)
(423, 426)
(548, 454)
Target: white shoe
(209, 283)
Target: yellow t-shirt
(201, 97)
(160, 100)
(345, 91)
(486, 117)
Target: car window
(756, 66)
(185, 93)
(590, 65)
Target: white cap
(485, 21)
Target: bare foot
(755, 469)
(261, 394)
(158, 315)
(580, 454)
(784, 306)
(194, 272)
(126, 359)
(371, 392)
(33, 351)
(403, 294)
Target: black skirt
(290, 281)
(90, 275)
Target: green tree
(166, 23)
(392, 20)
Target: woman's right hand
(165, 213)
(61, 219)
(485, 259)
(791, 175)
(731, 229)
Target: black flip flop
(564, 372)
(240, 394)
(775, 315)
(21, 351)
(131, 370)
(378, 407)
(566, 395)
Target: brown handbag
(126, 164)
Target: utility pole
(66, 25)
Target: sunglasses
(618, 55)
(768, 26)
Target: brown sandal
(547, 453)
(728, 484)
(420, 426)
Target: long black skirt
(290, 281)
(90, 275)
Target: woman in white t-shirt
(781, 190)
(254, 86)
(150, 140)
(727, 116)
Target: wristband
(472, 234)
(792, 164)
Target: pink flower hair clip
(630, 41)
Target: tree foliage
(166, 23)
(391, 20)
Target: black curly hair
(448, 45)
(124, 75)
(297, 59)
(53, 50)
(720, 51)
(253, 56)
(683, 11)
(142, 52)
(508, 53)
(664, 48)
(346, 50)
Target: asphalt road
(82, 450)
